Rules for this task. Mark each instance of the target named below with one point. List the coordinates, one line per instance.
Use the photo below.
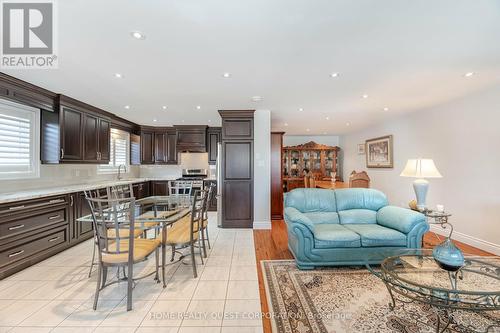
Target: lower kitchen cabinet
(81, 231)
(141, 190)
(159, 187)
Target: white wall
(293, 140)
(463, 138)
(262, 170)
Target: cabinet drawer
(23, 223)
(29, 205)
(23, 251)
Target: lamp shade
(420, 168)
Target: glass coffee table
(414, 276)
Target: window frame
(107, 168)
(34, 172)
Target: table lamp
(420, 168)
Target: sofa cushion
(360, 198)
(334, 235)
(358, 216)
(374, 235)
(311, 200)
(323, 217)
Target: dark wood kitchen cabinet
(191, 138)
(141, 190)
(33, 230)
(214, 135)
(71, 124)
(96, 139)
(159, 146)
(80, 230)
(159, 187)
(147, 147)
(171, 146)
(237, 169)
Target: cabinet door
(213, 138)
(147, 148)
(160, 188)
(90, 138)
(171, 147)
(160, 151)
(71, 123)
(104, 140)
(86, 229)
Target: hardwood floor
(273, 245)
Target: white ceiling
(405, 54)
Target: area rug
(348, 300)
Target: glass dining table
(157, 213)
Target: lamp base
(420, 186)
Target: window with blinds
(119, 151)
(19, 141)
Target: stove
(196, 176)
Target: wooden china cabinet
(321, 160)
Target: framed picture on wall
(361, 149)
(379, 152)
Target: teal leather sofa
(352, 226)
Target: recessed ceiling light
(138, 35)
(257, 98)
(226, 75)
(209, 120)
(164, 107)
(127, 107)
(365, 96)
(327, 118)
(307, 129)
(469, 74)
(198, 107)
(118, 75)
(324, 133)
(301, 109)
(348, 124)
(286, 124)
(334, 74)
(154, 120)
(386, 109)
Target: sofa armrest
(398, 218)
(293, 215)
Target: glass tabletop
(476, 283)
(163, 209)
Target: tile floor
(56, 295)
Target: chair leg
(173, 253)
(200, 246)
(203, 243)
(92, 262)
(193, 261)
(104, 276)
(98, 285)
(163, 259)
(157, 264)
(130, 281)
(208, 239)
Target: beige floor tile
(5, 329)
(20, 289)
(178, 289)
(157, 330)
(204, 313)
(243, 290)
(243, 260)
(73, 329)
(186, 329)
(242, 313)
(244, 273)
(115, 329)
(166, 313)
(50, 290)
(257, 329)
(121, 317)
(33, 329)
(85, 315)
(215, 273)
(18, 311)
(213, 260)
(52, 314)
(210, 290)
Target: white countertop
(45, 192)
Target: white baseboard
(469, 240)
(262, 224)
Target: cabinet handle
(54, 239)
(17, 227)
(62, 153)
(56, 201)
(54, 217)
(16, 207)
(71, 200)
(16, 253)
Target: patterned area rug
(349, 300)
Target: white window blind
(19, 141)
(119, 151)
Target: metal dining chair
(186, 232)
(114, 224)
(210, 192)
(180, 187)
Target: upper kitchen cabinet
(171, 146)
(191, 138)
(214, 135)
(84, 133)
(158, 145)
(160, 148)
(236, 127)
(147, 147)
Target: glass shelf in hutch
(321, 160)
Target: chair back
(209, 197)
(359, 179)
(111, 217)
(306, 181)
(197, 207)
(180, 187)
(121, 191)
